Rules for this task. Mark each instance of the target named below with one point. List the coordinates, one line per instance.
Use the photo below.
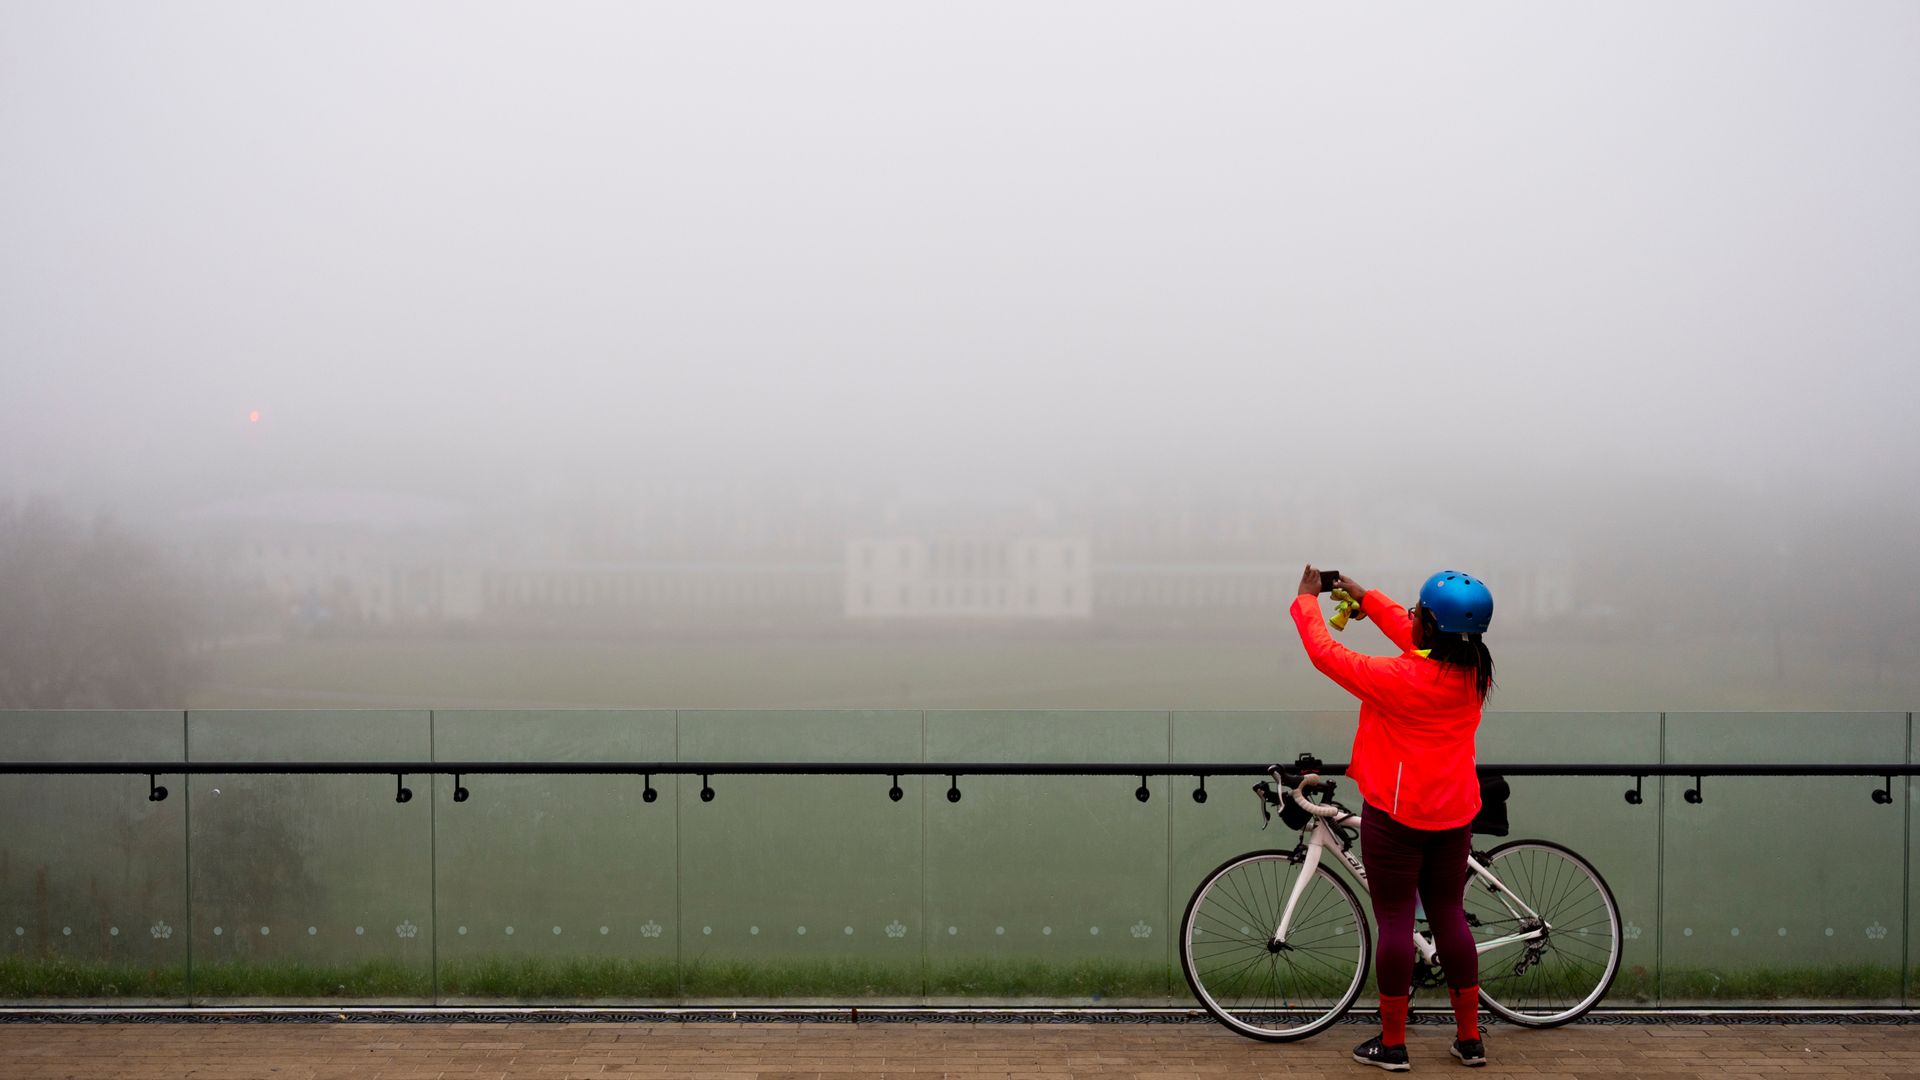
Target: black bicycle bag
(1291, 814)
(1492, 818)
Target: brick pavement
(919, 1051)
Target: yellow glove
(1345, 608)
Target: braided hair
(1464, 651)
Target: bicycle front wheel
(1282, 991)
(1567, 967)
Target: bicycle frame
(1322, 839)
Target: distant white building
(344, 557)
(660, 594)
(369, 560)
(968, 577)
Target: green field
(982, 671)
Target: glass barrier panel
(1782, 890)
(1591, 816)
(1047, 889)
(555, 889)
(1228, 824)
(1907, 791)
(93, 876)
(820, 889)
(310, 888)
(799, 889)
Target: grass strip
(599, 979)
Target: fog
(578, 354)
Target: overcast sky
(442, 247)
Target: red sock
(1393, 1020)
(1466, 1011)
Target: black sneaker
(1471, 1052)
(1390, 1058)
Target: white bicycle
(1276, 945)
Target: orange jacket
(1413, 755)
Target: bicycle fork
(1316, 848)
(1307, 868)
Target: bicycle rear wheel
(1558, 977)
(1263, 991)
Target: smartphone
(1329, 579)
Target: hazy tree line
(91, 614)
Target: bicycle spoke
(1567, 962)
(1282, 991)
(1230, 975)
(1240, 907)
(1244, 901)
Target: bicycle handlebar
(1309, 782)
(1297, 791)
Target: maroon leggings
(1401, 862)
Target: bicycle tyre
(1255, 881)
(1580, 963)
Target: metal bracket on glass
(894, 792)
(1693, 794)
(402, 793)
(1634, 798)
(155, 792)
(1141, 792)
(1884, 796)
(953, 787)
(706, 789)
(460, 792)
(649, 795)
(1200, 793)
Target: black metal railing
(953, 770)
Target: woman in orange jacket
(1413, 762)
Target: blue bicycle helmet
(1461, 604)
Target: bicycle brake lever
(1263, 793)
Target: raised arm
(1360, 675)
(1385, 612)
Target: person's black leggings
(1402, 862)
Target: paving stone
(900, 1051)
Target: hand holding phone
(1329, 579)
